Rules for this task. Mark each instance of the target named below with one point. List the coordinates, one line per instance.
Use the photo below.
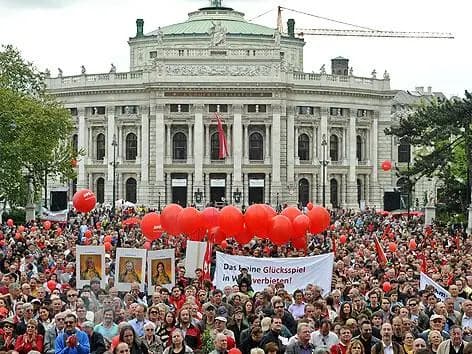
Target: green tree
(34, 131)
(442, 132)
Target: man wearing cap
(208, 320)
(220, 328)
(7, 340)
(97, 343)
(436, 322)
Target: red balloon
(244, 236)
(309, 206)
(300, 225)
(210, 217)
(84, 200)
(412, 244)
(216, 235)
(231, 220)
(151, 226)
(281, 230)
(198, 235)
(224, 244)
(291, 212)
(107, 246)
(270, 211)
(342, 239)
(386, 287)
(189, 220)
(58, 231)
(392, 246)
(386, 165)
(107, 238)
(88, 234)
(21, 228)
(319, 219)
(147, 245)
(299, 243)
(47, 225)
(169, 217)
(234, 351)
(51, 284)
(256, 221)
(10, 222)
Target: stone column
(267, 144)
(143, 191)
(169, 144)
(109, 158)
(82, 144)
(229, 139)
(158, 111)
(246, 143)
(295, 144)
(351, 179)
(323, 131)
(376, 198)
(276, 149)
(367, 190)
(237, 147)
(343, 191)
(290, 145)
(314, 146)
(198, 152)
(191, 149)
(91, 148)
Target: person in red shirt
(31, 340)
(177, 299)
(345, 336)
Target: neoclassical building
(292, 136)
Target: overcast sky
(94, 33)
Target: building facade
(293, 137)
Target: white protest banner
(194, 256)
(439, 291)
(294, 273)
(161, 269)
(90, 264)
(130, 268)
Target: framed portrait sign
(130, 267)
(90, 264)
(161, 269)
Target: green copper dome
(202, 21)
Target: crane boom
(372, 33)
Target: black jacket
(97, 344)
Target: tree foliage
(442, 132)
(34, 130)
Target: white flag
(439, 291)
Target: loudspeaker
(391, 201)
(58, 200)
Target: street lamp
(277, 202)
(159, 201)
(114, 144)
(324, 163)
(237, 196)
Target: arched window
(303, 191)
(334, 147)
(256, 147)
(359, 148)
(75, 143)
(131, 190)
(131, 146)
(333, 185)
(100, 146)
(100, 190)
(404, 151)
(303, 147)
(214, 147)
(179, 146)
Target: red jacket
(23, 347)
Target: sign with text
(294, 273)
(439, 291)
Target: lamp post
(159, 201)
(277, 207)
(237, 196)
(324, 163)
(114, 144)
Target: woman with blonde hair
(355, 347)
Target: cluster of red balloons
(259, 220)
(84, 200)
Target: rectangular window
(218, 108)
(335, 111)
(153, 54)
(404, 152)
(129, 109)
(98, 110)
(177, 108)
(362, 112)
(73, 111)
(306, 110)
(256, 108)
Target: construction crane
(359, 31)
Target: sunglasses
(8, 326)
(69, 322)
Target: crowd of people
(373, 307)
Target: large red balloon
(231, 220)
(319, 219)
(256, 220)
(386, 165)
(84, 200)
(88, 234)
(309, 206)
(300, 225)
(107, 246)
(151, 226)
(386, 287)
(216, 235)
(281, 230)
(51, 284)
(47, 225)
(189, 220)
(299, 243)
(392, 246)
(10, 222)
(291, 212)
(342, 239)
(211, 217)
(270, 211)
(169, 217)
(243, 237)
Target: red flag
(223, 147)
(380, 252)
(207, 261)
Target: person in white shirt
(324, 336)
